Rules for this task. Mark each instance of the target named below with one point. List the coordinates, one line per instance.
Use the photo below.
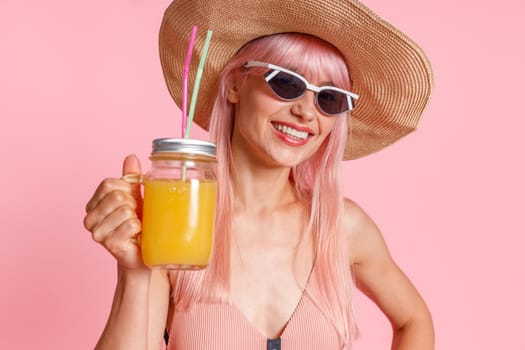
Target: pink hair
(317, 183)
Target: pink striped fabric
(223, 326)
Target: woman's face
(274, 131)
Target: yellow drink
(177, 223)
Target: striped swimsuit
(223, 326)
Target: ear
(233, 90)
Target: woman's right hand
(113, 216)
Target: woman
(288, 246)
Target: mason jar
(179, 204)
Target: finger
(106, 227)
(123, 235)
(131, 166)
(107, 186)
(109, 203)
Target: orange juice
(178, 221)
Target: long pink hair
(317, 183)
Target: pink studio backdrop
(82, 87)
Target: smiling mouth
(291, 132)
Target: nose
(305, 107)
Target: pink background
(81, 87)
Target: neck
(258, 187)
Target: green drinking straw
(197, 83)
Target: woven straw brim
(389, 71)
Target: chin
(292, 160)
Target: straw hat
(390, 72)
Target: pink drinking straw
(185, 74)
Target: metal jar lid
(191, 146)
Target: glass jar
(179, 204)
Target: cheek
(255, 105)
(250, 112)
(327, 124)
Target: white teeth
(301, 135)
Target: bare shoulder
(378, 276)
(355, 217)
(363, 235)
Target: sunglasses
(290, 86)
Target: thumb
(131, 165)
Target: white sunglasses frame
(316, 89)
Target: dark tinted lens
(332, 102)
(287, 86)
